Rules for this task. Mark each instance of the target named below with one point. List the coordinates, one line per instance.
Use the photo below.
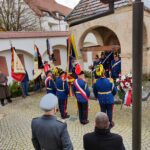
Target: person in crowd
(4, 89)
(116, 66)
(106, 63)
(105, 90)
(82, 93)
(46, 67)
(62, 94)
(25, 85)
(102, 138)
(49, 133)
(49, 83)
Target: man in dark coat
(4, 90)
(25, 85)
(102, 138)
(48, 133)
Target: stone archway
(106, 39)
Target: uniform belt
(49, 88)
(78, 92)
(104, 92)
(60, 90)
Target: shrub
(15, 89)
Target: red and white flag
(17, 69)
(128, 98)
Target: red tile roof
(51, 6)
(15, 35)
(87, 8)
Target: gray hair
(101, 120)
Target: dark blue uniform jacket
(104, 90)
(62, 89)
(85, 87)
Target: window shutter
(57, 57)
(3, 65)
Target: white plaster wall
(89, 61)
(63, 56)
(90, 40)
(26, 45)
(55, 24)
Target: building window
(3, 65)
(57, 61)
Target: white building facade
(24, 44)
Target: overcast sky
(73, 3)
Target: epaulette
(111, 80)
(94, 81)
(61, 120)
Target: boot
(9, 100)
(2, 102)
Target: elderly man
(102, 138)
(4, 90)
(48, 133)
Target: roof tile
(87, 8)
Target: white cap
(48, 102)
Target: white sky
(73, 3)
(69, 3)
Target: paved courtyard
(15, 123)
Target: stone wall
(121, 24)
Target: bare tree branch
(15, 15)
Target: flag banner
(38, 64)
(74, 49)
(17, 69)
(38, 58)
(37, 71)
(72, 53)
(48, 49)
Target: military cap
(62, 72)
(48, 102)
(116, 54)
(48, 72)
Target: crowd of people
(57, 87)
(50, 133)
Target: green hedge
(15, 87)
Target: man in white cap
(48, 133)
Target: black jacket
(50, 134)
(102, 139)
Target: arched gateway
(110, 31)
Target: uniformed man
(115, 66)
(62, 94)
(48, 133)
(46, 67)
(105, 90)
(82, 94)
(95, 63)
(105, 61)
(49, 83)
